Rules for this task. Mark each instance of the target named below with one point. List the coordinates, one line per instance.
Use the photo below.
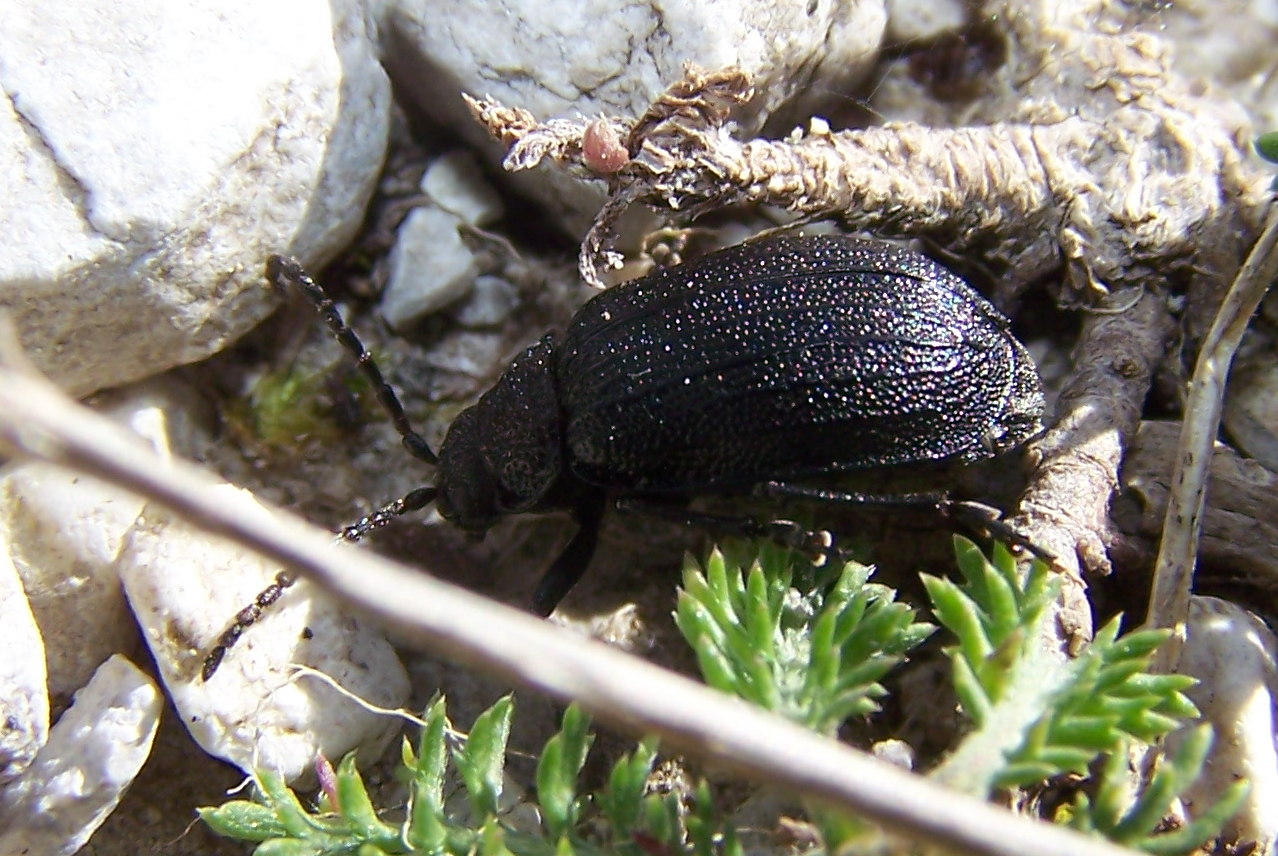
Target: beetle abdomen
(784, 358)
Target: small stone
(490, 304)
(63, 532)
(455, 183)
(896, 752)
(429, 268)
(922, 20)
(94, 751)
(1234, 656)
(24, 694)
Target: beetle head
(503, 455)
(467, 490)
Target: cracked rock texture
(158, 155)
(138, 141)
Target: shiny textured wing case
(783, 358)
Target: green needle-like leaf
(288, 809)
(482, 759)
(355, 807)
(247, 821)
(557, 770)
(1037, 715)
(763, 627)
(814, 656)
(622, 800)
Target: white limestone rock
(24, 694)
(156, 154)
(75, 539)
(1228, 44)
(64, 531)
(185, 586)
(1233, 655)
(430, 267)
(492, 300)
(94, 751)
(456, 183)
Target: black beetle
(759, 365)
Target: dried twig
(1239, 540)
(1066, 506)
(1178, 550)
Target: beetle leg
(988, 522)
(816, 544)
(566, 570)
(786, 490)
(980, 518)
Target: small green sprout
(812, 645)
(814, 655)
(634, 821)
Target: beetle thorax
(504, 455)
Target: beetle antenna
(244, 619)
(285, 271)
(414, 500)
